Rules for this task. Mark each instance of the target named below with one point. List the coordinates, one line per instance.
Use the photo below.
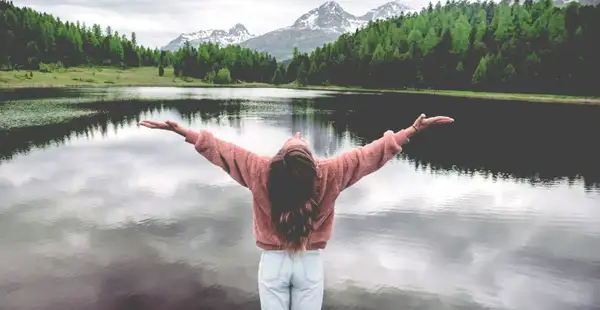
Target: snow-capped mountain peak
(388, 10)
(238, 28)
(235, 35)
(316, 27)
(321, 25)
(329, 16)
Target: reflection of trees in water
(540, 143)
(115, 114)
(315, 125)
(36, 93)
(535, 142)
(210, 110)
(118, 114)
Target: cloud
(139, 213)
(156, 22)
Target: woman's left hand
(422, 122)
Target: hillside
(533, 47)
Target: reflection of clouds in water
(147, 197)
(472, 196)
(420, 252)
(470, 241)
(215, 93)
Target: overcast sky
(156, 22)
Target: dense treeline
(29, 38)
(529, 47)
(223, 64)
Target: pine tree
(277, 77)
(302, 79)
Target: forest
(33, 40)
(30, 38)
(533, 47)
(232, 63)
(529, 47)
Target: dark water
(500, 210)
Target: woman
(293, 203)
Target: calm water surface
(500, 210)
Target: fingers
(148, 124)
(437, 120)
(153, 124)
(297, 135)
(444, 120)
(440, 120)
(172, 124)
(419, 120)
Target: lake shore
(148, 77)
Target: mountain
(317, 27)
(388, 10)
(235, 35)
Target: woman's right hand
(168, 125)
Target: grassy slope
(148, 76)
(96, 77)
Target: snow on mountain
(330, 16)
(317, 27)
(235, 35)
(388, 10)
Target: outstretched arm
(359, 162)
(238, 162)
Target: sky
(156, 22)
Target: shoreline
(106, 77)
(542, 98)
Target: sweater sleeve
(241, 164)
(362, 161)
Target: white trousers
(288, 281)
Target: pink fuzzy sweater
(335, 174)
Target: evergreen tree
(302, 78)
(278, 76)
(507, 46)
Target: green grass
(148, 76)
(31, 113)
(103, 77)
(97, 76)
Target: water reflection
(101, 214)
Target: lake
(500, 210)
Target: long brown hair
(291, 187)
